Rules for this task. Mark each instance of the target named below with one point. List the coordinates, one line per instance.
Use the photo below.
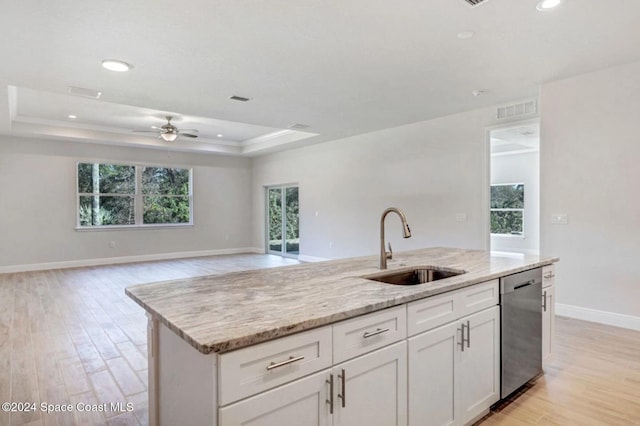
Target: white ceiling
(520, 138)
(343, 67)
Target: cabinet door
(373, 389)
(432, 371)
(300, 403)
(548, 321)
(479, 372)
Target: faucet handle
(390, 253)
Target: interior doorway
(514, 209)
(283, 222)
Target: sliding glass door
(283, 231)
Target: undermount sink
(413, 276)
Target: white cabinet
(369, 332)
(548, 311)
(264, 366)
(371, 390)
(300, 403)
(433, 361)
(479, 383)
(454, 370)
(425, 314)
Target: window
(166, 196)
(507, 209)
(127, 195)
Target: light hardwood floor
(72, 336)
(592, 378)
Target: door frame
(486, 190)
(283, 251)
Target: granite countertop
(220, 313)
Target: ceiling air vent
(239, 98)
(85, 93)
(517, 110)
(474, 3)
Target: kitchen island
(221, 347)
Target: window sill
(132, 227)
(522, 237)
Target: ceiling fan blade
(147, 131)
(189, 135)
(189, 130)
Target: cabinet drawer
(369, 332)
(425, 314)
(478, 297)
(257, 368)
(548, 276)
(431, 312)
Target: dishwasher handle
(528, 283)
(511, 283)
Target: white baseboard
(305, 258)
(602, 317)
(125, 259)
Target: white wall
(520, 168)
(590, 158)
(38, 202)
(431, 170)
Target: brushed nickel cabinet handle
(544, 301)
(291, 360)
(468, 334)
(330, 400)
(375, 333)
(461, 342)
(549, 275)
(343, 395)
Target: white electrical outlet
(226, 238)
(461, 217)
(112, 244)
(559, 219)
(331, 245)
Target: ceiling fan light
(169, 137)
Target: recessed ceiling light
(547, 5)
(116, 65)
(71, 116)
(220, 135)
(465, 35)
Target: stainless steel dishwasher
(521, 329)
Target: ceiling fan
(169, 132)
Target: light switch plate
(559, 219)
(461, 217)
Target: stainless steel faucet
(406, 233)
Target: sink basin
(416, 275)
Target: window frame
(138, 198)
(520, 235)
